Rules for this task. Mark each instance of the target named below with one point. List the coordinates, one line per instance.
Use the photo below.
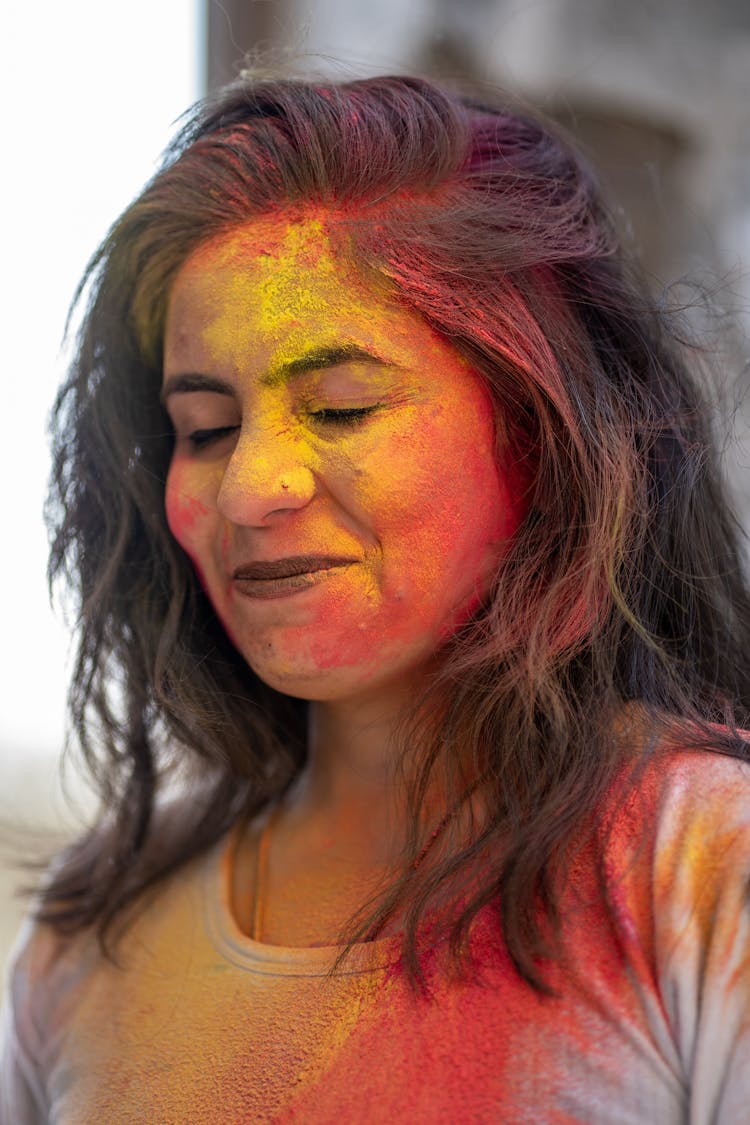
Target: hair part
(624, 584)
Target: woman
(413, 650)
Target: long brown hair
(624, 583)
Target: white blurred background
(657, 90)
(90, 92)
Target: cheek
(193, 525)
(187, 515)
(469, 487)
(494, 487)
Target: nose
(264, 478)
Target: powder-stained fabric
(204, 1025)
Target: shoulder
(48, 969)
(670, 840)
(668, 875)
(696, 807)
(677, 789)
(673, 850)
(37, 980)
(687, 829)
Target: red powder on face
(184, 514)
(410, 491)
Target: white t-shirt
(205, 1025)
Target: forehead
(272, 281)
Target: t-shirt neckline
(276, 960)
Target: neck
(349, 791)
(351, 751)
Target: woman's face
(334, 477)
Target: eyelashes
(201, 439)
(339, 417)
(343, 416)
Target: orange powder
(409, 492)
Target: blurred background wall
(657, 91)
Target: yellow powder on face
(289, 275)
(413, 495)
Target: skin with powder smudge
(268, 464)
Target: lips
(264, 571)
(282, 578)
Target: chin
(315, 686)
(337, 684)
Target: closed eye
(343, 416)
(200, 439)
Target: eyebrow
(317, 359)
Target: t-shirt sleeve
(22, 1099)
(701, 913)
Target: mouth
(280, 577)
